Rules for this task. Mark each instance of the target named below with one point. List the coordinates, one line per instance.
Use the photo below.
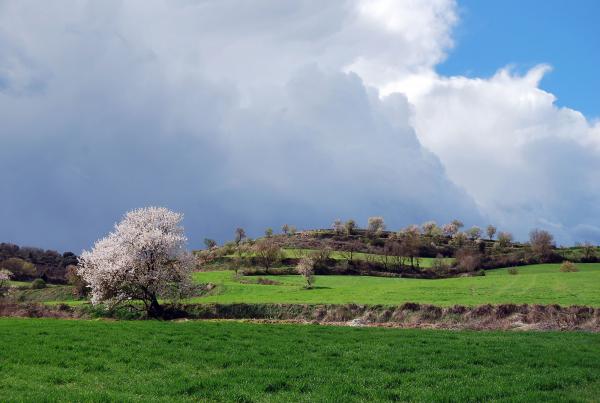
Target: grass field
(337, 255)
(50, 360)
(536, 284)
(19, 283)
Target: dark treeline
(28, 263)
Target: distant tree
(459, 239)
(209, 243)
(269, 232)
(268, 252)
(292, 230)
(5, 276)
(449, 229)
(19, 268)
(431, 229)
(467, 259)
(589, 251)
(375, 225)
(320, 255)
(350, 248)
(338, 226)
(143, 259)
(474, 232)
(350, 225)
(410, 244)
(505, 239)
(458, 224)
(285, 229)
(439, 263)
(306, 268)
(240, 234)
(491, 231)
(80, 287)
(241, 251)
(541, 242)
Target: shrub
(38, 284)
(567, 267)
(513, 271)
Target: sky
(256, 114)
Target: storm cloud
(250, 114)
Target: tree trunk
(154, 309)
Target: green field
(536, 284)
(19, 283)
(337, 255)
(50, 360)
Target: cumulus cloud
(233, 114)
(261, 113)
(526, 162)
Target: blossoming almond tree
(143, 259)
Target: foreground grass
(536, 284)
(50, 360)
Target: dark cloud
(119, 125)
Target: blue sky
(257, 114)
(564, 34)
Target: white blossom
(144, 258)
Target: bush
(567, 267)
(513, 271)
(38, 284)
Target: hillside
(28, 263)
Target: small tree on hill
(268, 252)
(143, 259)
(306, 268)
(474, 232)
(240, 234)
(80, 288)
(20, 269)
(285, 229)
(467, 259)
(504, 239)
(459, 239)
(5, 276)
(491, 231)
(269, 232)
(458, 224)
(449, 230)
(589, 251)
(541, 242)
(209, 243)
(349, 248)
(350, 225)
(338, 226)
(320, 256)
(431, 229)
(410, 244)
(375, 225)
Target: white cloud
(236, 113)
(525, 161)
(258, 113)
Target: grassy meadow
(535, 284)
(58, 360)
(338, 255)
